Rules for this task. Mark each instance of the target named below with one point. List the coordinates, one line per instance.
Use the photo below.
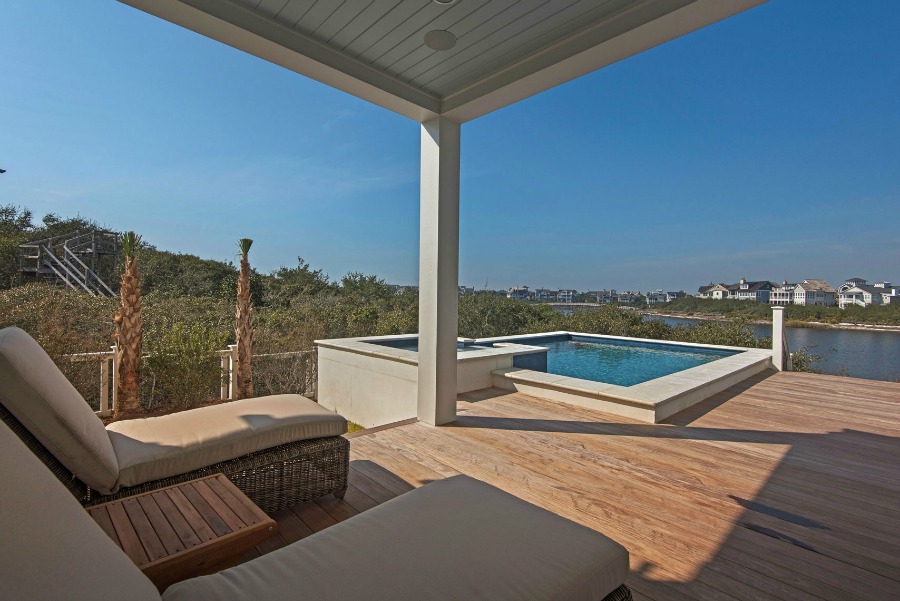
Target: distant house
(714, 291)
(807, 293)
(857, 291)
(670, 296)
(544, 295)
(465, 290)
(814, 293)
(656, 298)
(519, 293)
(782, 295)
(890, 294)
(756, 291)
(566, 296)
(604, 297)
(627, 298)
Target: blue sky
(765, 146)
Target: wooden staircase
(81, 260)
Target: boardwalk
(784, 487)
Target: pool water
(623, 364)
(412, 344)
(620, 362)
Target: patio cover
(492, 53)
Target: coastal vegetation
(187, 312)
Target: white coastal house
(858, 292)
(782, 295)
(544, 295)
(807, 293)
(566, 296)
(713, 291)
(814, 293)
(628, 298)
(755, 291)
(602, 297)
(656, 298)
(519, 293)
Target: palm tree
(129, 333)
(243, 325)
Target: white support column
(778, 338)
(438, 271)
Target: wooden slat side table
(187, 530)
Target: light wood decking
(784, 487)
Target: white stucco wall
(373, 385)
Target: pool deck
(784, 486)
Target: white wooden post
(104, 386)
(224, 375)
(438, 270)
(115, 376)
(232, 371)
(778, 338)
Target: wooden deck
(784, 487)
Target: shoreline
(815, 325)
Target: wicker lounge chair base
(274, 478)
(623, 593)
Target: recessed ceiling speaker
(440, 39)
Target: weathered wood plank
(185, 533)
(144, 529)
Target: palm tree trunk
(243, 327)
(129, 337)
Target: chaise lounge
(279, 450)
(454, 539)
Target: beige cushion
(161, 447)
(40, 396)
(454, 539)
(51, 547)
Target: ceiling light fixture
(445, 2)
(439, 39)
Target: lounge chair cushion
(51, 547)
(34, 390)
(454, 539)
(162, 447)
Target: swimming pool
(624, 363)
(374, 380)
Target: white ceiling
(506, 50)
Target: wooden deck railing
(108, 374)
(109, 369)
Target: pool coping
(363, 346)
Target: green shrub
(726, 333)
(803, 359)
(182, 368)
